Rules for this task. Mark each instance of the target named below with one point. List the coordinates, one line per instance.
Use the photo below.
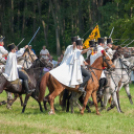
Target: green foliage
(71, 17)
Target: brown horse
(55, 87)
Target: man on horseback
(69, 73)
(103, 80)
(84, 71)
(109, 48)
(11, 71)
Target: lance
(33, 36)
(124, 42)
(111, 32)
(129, 43)
(21, 42)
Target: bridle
(106, 61)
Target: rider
(109, 48)
(3, 51)
(85, 73)
(11, 71)
(69, 72)
(103, 80)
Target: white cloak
(11, 72)
(69, 72)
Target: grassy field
(35, 122)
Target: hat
(109, 41)
(91, 43)
(11, 46)
(79, 42)
(30, 45)
(100, 40)
(73, 39)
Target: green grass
(35, 122)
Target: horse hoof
(103, 108)
(9, 107)
(109, 108)
(98, 113)
(81, 112)
(122, 111)
(51, 112)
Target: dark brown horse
(55, 87)
(34, 73)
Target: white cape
(11, 72)
(69, 72)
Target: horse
(34, 74)
(26, 60)
(55, 87)
(119, 78)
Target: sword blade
(124, 42)
(21, 42)
(111, 32)
(129, 43)
(34, 36)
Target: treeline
(61, 19)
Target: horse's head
(107, 61)
(41, 63)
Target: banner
(95, 34)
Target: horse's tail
(43, 85)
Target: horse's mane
(126, 52)
(117, 53)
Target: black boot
(27, 87)
(82, 89)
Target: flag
(95, 34)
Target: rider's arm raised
(85, 50)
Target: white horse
(118, 79)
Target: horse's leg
(11, 101)
(71, 101)
(65, 98)
(88, 94)
(51, 98)
(67, 109)
(36, 98)
(21, 100)
(25, 102)
(45, 100)
(128, 93)
(95, 102)
(107, 95)
(115, 101)
(118, 99)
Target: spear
(129, 43)
(111, 32)
(21, 42)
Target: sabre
(2, 39)
(33, 36)
(111, 32)
(21, 42)
(124, 42)
(129, 43)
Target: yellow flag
(95, 34)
